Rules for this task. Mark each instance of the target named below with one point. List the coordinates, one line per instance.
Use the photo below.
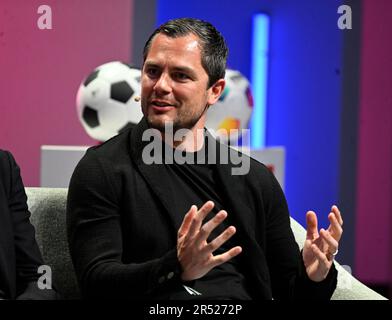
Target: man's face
(174, 83)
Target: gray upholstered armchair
(47, 206)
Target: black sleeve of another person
(21, 240)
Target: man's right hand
(194, 252)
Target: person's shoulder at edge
(5, 155)
(7, 164)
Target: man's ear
(215, 91)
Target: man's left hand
(321, 246)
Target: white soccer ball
(233, 109)
(106, 100)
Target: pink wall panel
(374, 193)
(41, 70)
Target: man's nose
(163, 84)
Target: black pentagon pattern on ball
(121, 91)
(93, 75)
(90, 116)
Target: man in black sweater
(141, 225)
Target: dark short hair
(212, 44)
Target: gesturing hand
(320, 247)
(193, 251)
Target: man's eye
(181, 76)
(152, 72)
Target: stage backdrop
(374, 189)
(41, 70)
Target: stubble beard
(182, 121)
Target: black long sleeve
(23, 251)
(96, 238)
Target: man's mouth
(161, 105)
